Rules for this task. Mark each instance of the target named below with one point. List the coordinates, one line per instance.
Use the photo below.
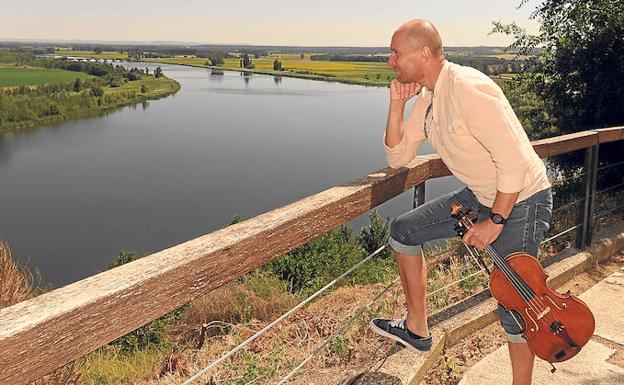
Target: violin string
(503, 266)
(538, 306)
(534, 303)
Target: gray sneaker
(397, 330)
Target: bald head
(421, 33)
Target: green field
(373, 73)
(17, 76)
(92, 54)
(368, 73)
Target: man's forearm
(394, 132)
(504, 202)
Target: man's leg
(413, 270)
(525, 229)
(407, 233)
(521, 362)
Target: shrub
(153, 334)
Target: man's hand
(402, 92)
(482, 234)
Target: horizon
(350, 23)
(192, 43)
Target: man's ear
(425, 54)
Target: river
(143, 178)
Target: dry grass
(274, 354)
(16, 282)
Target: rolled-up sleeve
(413, 137)
(491, 120)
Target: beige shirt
(476, 133)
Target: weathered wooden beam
(48, 331)
(611, 134)
(565, 143)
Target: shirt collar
(441, 76)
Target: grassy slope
(17, 76)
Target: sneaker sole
(384, 333)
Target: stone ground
(483, 359)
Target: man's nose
(390, 62)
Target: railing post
(586, 210)
(419, 194)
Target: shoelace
(399, 323)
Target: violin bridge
(542, 314)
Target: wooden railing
(53, 329)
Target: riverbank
(111, 98)
(375, 74)
(300, 75)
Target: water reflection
(246, 77)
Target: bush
(260, 295)
(376, 235)
(153, 334)
(97, 91)
(312, 265)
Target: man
(470, 123)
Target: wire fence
(361, 310)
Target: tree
(77, 85)
(97, 50)
(376, 235)
(577, 68)
(158, 72)
(277, 65)
(216, 59)
(143, 88)
(246, 61)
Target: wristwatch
(498, 219)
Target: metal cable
(607, 211)
(456, 282)
(560, 234)
(336, 333)
(568, 205)
(610, 188)
(361, 310)
(197, 375)
(610, 165)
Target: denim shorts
(525, 229)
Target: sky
(292, 22)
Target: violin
(556, 326)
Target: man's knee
(399, 227)
(512, 324)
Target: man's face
(404, 59)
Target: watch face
(497, 218)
